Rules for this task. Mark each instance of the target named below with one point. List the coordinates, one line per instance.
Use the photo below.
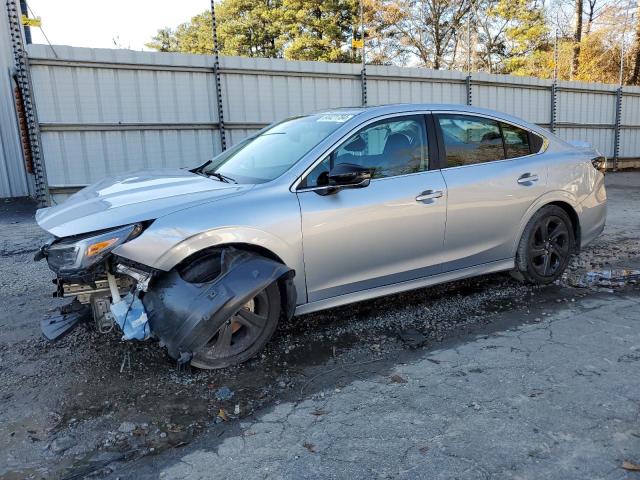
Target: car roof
(368, 112)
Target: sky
(95, 23)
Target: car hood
(133, 197)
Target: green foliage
(294, 29)
(508, 31)
(507, 36)
(318, 29)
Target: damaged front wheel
(244, 334)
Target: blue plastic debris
(131, 316)
(224, 393)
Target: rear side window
(469, 140)
(516, 141)
(536, 142)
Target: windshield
(269, 154)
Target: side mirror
(348, 175)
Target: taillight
(599, 163)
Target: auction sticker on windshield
(335, 117)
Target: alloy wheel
(239, 332)
(549, 246)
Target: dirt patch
(77, 405)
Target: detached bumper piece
(55, 326)
(185, 315)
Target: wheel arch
(288, 296)
(560, 199)
(575, 220)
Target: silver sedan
(318, 211)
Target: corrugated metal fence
(107, 111)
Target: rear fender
(547, 198)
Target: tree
(634, 78)
(577, 38)
(423, 29)
(295, 29)
(250, 28)
(508, 32)
(319, 29)
(247, 28)
(164, 41)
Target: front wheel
(244, 334)
(545, 247)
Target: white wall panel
(601, 138)
(104, 112)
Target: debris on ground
(412, 338)
(398, 379)
(222, 415)
(224, 393)
(607, 278)
(630, 466)
(55, 326)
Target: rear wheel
(545, 247)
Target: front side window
(272, 152)
(391, 147)
(516, 141)
(469, 140)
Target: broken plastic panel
(185, 314)
(130, 315)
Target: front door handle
(527, 178)
(429, 195)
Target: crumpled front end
(185, 312)
(182, 308)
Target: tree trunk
(635, 52)
(577, 38)
(590, 14)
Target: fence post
(216, 75)
(23, 75)
(363, 73)
(469, 91)
(554, 107)
(616, 136)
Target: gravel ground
(71, 408)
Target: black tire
(546, 246)
(246, 341)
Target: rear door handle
(527, 178)
(429, 195)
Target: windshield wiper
(222, 178)
(201, 167)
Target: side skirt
(483, 269)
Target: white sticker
(335, 117)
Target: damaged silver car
(318, 211)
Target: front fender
(268, 218)
(225, 236)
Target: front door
(388, 232)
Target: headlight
(73, 254)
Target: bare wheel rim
(549, 246)
(239, 332)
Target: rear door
(493, 176)
(388, 232)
